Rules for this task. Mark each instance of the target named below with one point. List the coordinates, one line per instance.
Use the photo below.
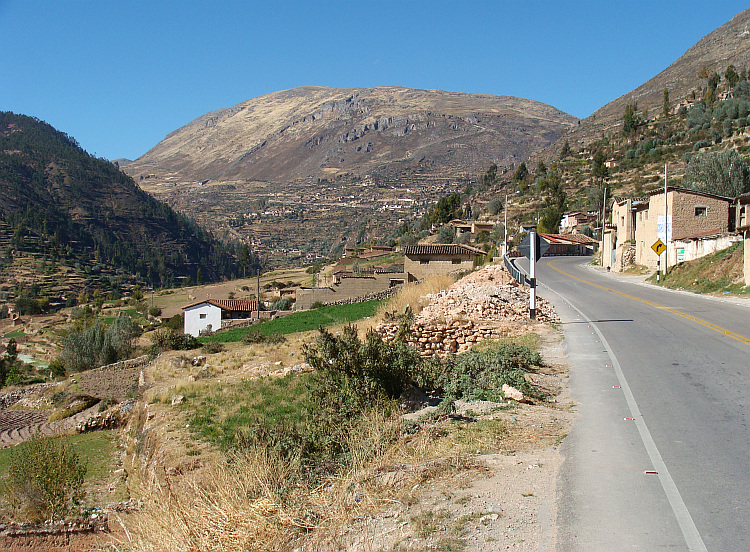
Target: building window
(424, 261)
(202, 315)
(701, 211)
(456, 261)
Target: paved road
(661, 381)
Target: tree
(631, 120)
(490, 177)
(522, 172)
(495, 206)
(565, 151)
(731, 76)
(244, 259)
(598, 167)
(665, 103)
(447, 209)
(724, 173)
(541, 168)
(446, 235)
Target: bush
(211, 347)
(45, 479)
(255, 335)
(93, 345)
(282, 304)
(176, 323)
(154, 311)
(166, 339)
(480, 375)
(352, 376)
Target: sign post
(658, 248)
(533, 247)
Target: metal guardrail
(516, 272)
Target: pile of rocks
(488, 294)
(487, 303)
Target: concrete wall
(421, 268)
(198, 317)
(688, 250)
(746, 245)
(349, 288)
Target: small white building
(213, 314)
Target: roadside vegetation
(718, 273)
(301, 453)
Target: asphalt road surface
(658, 456)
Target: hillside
(61, 207)
(729, 44)
(311, 168)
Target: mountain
(311, 168)
(729, 44)
(64, 206)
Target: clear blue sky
(120, 75)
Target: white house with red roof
(210, 315)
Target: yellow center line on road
(709, 325)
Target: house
(214, 314)
(427, 260)
(574, 220)
(570, 244)
(697, 223)
(474, 227)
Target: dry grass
(257, 501)
(414, 295)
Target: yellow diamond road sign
(659, 247)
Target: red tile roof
(235, 305)
(443, 249)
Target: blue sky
(120, 75)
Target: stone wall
(437, 265)
(441, 339)
(350, 289)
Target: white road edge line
(690, 532)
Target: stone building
(422, 261)
(697, 223)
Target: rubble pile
(487, 303)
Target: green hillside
(70, 210)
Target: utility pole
(532, 273)
(666, 224)
(505, 226)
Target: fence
(517, 273)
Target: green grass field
(303, 321)
(219, 413)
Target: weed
(45, 479)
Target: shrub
(352, 376)
(282, 304)
(166, 339)
(255, 335)
(211, 347)
(45, 479)
(154, 311)
(176, 323)
(480, 375)
(93, 345)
